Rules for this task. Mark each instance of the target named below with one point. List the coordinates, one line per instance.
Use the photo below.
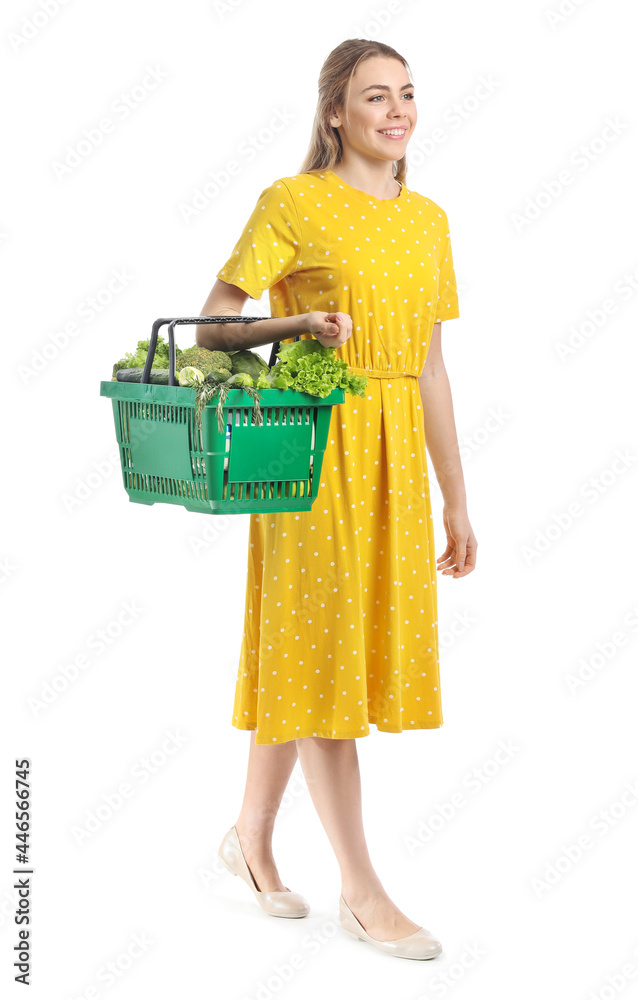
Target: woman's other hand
(459, 557)
(330, 329)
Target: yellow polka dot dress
(340, 627)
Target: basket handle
(172, 323)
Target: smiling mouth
(396, 133)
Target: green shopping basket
(243, 469)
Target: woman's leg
(269, 768)
(331, 770)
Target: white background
(541, 264)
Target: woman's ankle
(360, 889)
(259, 836)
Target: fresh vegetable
(138, 359)
(265, 379)
(190, 377)
(305, 366)
(204, 360)
(159, 376)
(249, 363)
(308, 366)
(239, 380)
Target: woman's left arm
(459, 557)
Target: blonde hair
(325, 149)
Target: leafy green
(265, 379)
(305, 366)
(239, 380)
(249, 363)
(308, 366)
(138, 359)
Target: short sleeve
(269, 247)
(447, 305)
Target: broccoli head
(204, 360)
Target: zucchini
(159, 376)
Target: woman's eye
(381, 95)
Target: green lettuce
(308, 366)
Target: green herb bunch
(213, 386)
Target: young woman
(341, 607)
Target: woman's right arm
(330, 329)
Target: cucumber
(159, 376)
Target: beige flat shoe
(420, 945)
(276, 903)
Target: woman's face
(381, 98)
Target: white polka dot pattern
(340, 627)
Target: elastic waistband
(378, 373)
